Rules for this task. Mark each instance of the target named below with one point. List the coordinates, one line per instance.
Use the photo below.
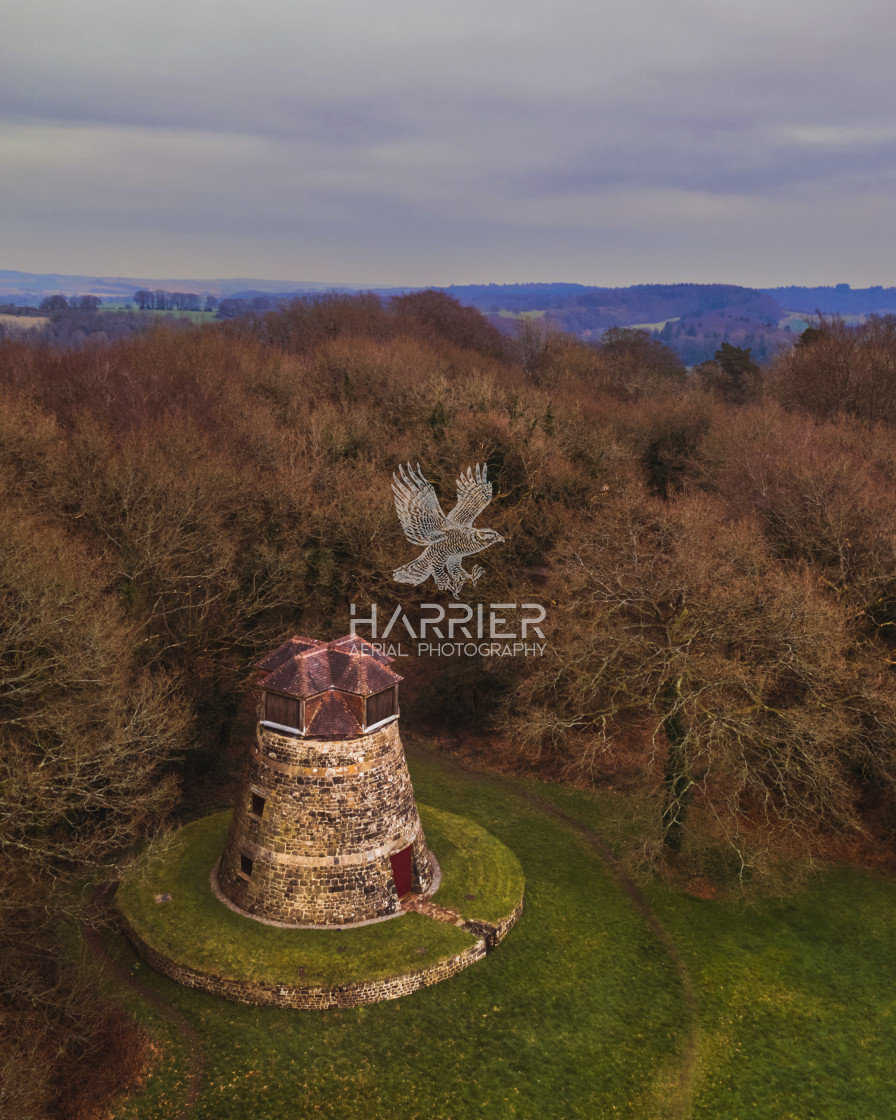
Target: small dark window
(246, 866)
(258, 804)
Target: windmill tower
(326, 830)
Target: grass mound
(580, 1014)
(481, 878)
(195, 929)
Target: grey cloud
(421, 137)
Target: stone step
(422, 905)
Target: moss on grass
(481, 878)
(580, 1014)
(796, 995)
(197, 930)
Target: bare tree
(760, 706)
(841, 368)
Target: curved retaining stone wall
(283, 995)
(334, 812)
(506, 924)
(350, 995)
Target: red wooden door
(402, 868)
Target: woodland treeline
(73, 323)
(718, 550)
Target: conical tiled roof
(290, 649)
(303, 667)
(333, 720)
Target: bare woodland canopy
(722, 587)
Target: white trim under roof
(282, 727)
(382, 722)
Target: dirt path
(683, 1093)
(688, 1068)
(188, 1033)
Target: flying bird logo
(445, 540)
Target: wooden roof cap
(303, 667)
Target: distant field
(195, 316)
(658, 326)
(798, 321)
(25, 322)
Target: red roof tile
(303, 667)
(290, 649)
(333, 720)
(351, 643)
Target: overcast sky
(407, 142)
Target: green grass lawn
(796, 996)
(580, 1012)
(199, 931)
(480, 878)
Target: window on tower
(381, 705)
(283, 710)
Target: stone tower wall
(334, 811)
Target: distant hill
(31, 287)
(693, 319)
(605, 307)
(839, 299)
